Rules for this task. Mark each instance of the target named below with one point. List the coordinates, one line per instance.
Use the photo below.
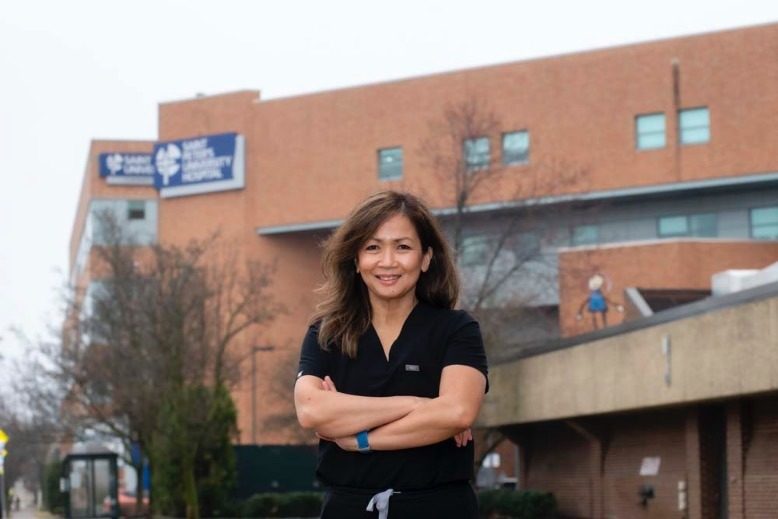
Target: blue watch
(363, 445)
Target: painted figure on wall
(597, 303)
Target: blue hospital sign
(199, 165)
(127, 168)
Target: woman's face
(392, 260)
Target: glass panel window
(585, 235)
(477, 153)
(390, 163)
(136, 209)
(492, 460)
(694, 125)
(764, 223)
(704, 225)
(673, 226)
(650, 131)
(515, 147)
(474, 250)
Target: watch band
(362, 444)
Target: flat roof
(677, 313)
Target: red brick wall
(661, 264)
(557, 463)
(566, 462)
(320, 149)
(761, 476)
(634, 437)
(737, 413)
(691, 442)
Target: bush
(292, 504)
(260, 505)
(300, 504)
(53, 499)
(494, 504)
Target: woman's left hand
(462, 438)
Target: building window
(694, 125)
(698, 225)
(704, 225)
(585, 235)
(390, 163)
(650, 131)
(491, 460)
(136, 209)
(670, 226)
(515, 148)
(764, 223)
(477, 153)
(474, 250)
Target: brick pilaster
(693, 482)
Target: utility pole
(254, 351)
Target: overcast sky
(76, 70)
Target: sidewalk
(31, 513)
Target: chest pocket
(417, 377)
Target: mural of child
(597, 303)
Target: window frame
(751, 225)
(381, 164)
(475, 250)
(131, 211)
(682, 129)
(480, 165)
(638, 133)
(674, 235)
(525, 154)
(575, 243)
(690, 227)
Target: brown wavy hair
(344, 313)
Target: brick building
(652, 164)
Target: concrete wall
(672, 264)
(723, 353)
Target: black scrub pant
(452, 501)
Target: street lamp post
(254, 351)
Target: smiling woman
(391, 376)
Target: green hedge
(289, 504)
(53, 499)
(516, 504)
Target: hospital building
(652, 167)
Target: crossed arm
(397, 422)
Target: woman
(391, 377)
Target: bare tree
(281, 385)
(155, 327)
(506, 253)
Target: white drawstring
(381, 503)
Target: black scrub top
(431, 339)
